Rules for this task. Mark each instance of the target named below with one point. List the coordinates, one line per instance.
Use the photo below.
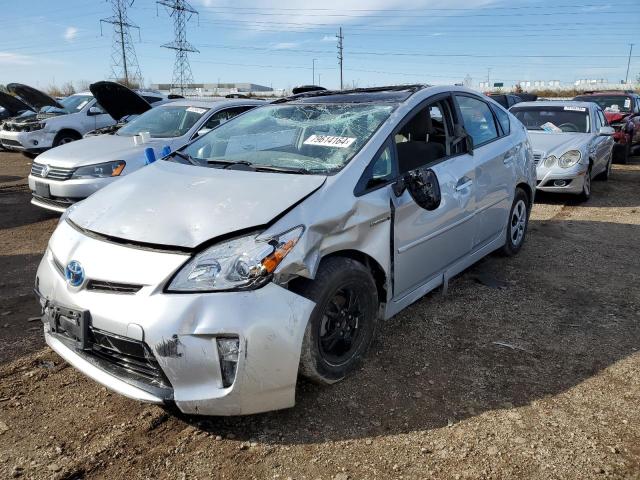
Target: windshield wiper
(186, 156)
(257, 167)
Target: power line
(181, 11)
(124, 62)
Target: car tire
(517, 224)
(65, 137)
(621, 153)
(343, 322)
(585, 195)
(606, 175)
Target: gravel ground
(528, 368)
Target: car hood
(100, 148)
(552, 143)
(13, 105)
(177, 205)
(118, 100)
(33, 97)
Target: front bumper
(574, 178)
(65, 192)
(181, 329)
(32, 142)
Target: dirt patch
(528, 368)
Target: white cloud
(70, 34)
(8, 58)
(328, 38)
(285, 46)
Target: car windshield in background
(71, 104)
(164, 122)
(610, 104)
(565, 119)
(314, 138)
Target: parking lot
(529, 367)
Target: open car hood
(35, 98)
(174, 205)
(12, 104)
(118, 100)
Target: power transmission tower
(181, 11)
(340, 38)
(124, 62)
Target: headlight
(550, 161)
(569, 159)
(242, 263)
(32, 127)
(100, 170)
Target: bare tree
(82, 85)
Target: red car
(622, 109)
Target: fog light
(35, 142)
(228, 349)
(559, 183)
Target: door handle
(463, 183)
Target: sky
(274, 43)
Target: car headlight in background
(550, 161)
(100, 170)
(240, 263)
(569, 159)
(32, 127)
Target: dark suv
(622, 110)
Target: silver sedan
(572, 144)
(274, 244)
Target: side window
(425, 138)
(222, 116)
(97, 105)
(379, 172)
(478, 119)
(503, 120)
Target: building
(217, 89)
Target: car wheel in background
(586, 187)
(343, 322)
(65, 137)
(604, 176)
(621, 153)
(518, 223)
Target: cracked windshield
(307, 138)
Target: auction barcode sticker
(576, 109)
(329, 141)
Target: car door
(426, 242)
(493, 156)
(606, 141)
(93, 121)
(599, 144)
(220, 117)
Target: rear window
(609, 103)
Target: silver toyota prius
(272, 246)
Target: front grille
(54, 173)
(124, 356)
(54, 202)
(11, 143)
(112, 287)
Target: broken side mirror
(424, 187)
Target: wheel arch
(377, 272)
(527, 190)
(68, 130)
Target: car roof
(610, 93)
(387, 94)
(554, 103)
(185, 102)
